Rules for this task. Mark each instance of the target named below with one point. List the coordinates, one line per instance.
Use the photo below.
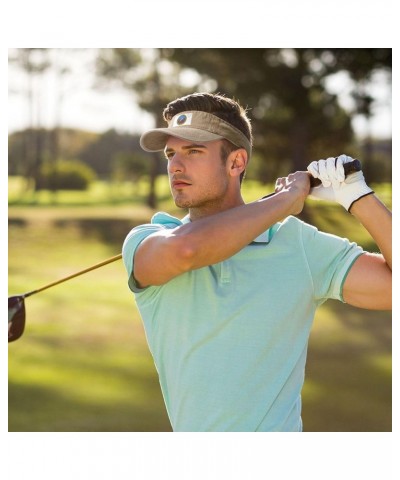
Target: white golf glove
(335, 187)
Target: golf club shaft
(98, 265)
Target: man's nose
(175, 163)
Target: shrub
(65, 175)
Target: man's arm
(369, 282)
(166, 254)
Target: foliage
(140, 71)
(130, 166)
(376, 160)
(71, 144)
(295, 117)
(65, 175)
(100, 154)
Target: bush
(65, 175)
(130, 166)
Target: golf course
(83, 364)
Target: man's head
(204, 117)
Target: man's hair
(217, 104)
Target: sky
(82, 104)
(86, 106)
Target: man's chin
(183, 203)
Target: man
(228, 294)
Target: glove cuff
(368, 192)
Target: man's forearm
(377, 220)
(217, 237)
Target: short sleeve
(160, 221)
(330, 259)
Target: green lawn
(83, 363)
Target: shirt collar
(263, 238)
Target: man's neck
(207, 210)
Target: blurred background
(78, 182)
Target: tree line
(295, 117)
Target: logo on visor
(182, 119)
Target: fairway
(83, 362)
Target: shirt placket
(225, 273)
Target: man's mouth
(177, 184)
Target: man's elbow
(159, 262)
(184, 253)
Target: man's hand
(298, 184)
(335, 187)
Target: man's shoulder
(167, 220)
(291, 225)
(159, 221)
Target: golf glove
(335, 186)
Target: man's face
(198, 178)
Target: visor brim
(155, 140)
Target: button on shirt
(229, 340)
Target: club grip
(350, 167)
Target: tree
(33, 62)
(153, 82)
(43, 67)
(296, 118)
(361, 65)
(99, 153)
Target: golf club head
(16, 317)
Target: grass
(100, 193)
(348, 375)
(83, 363)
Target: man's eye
(193, 150)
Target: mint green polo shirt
(229, 340)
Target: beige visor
(195, 126)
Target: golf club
(350, 167)
(16, 303)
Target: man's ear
(237, 161)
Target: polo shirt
(229, 340)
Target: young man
(228, 294)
